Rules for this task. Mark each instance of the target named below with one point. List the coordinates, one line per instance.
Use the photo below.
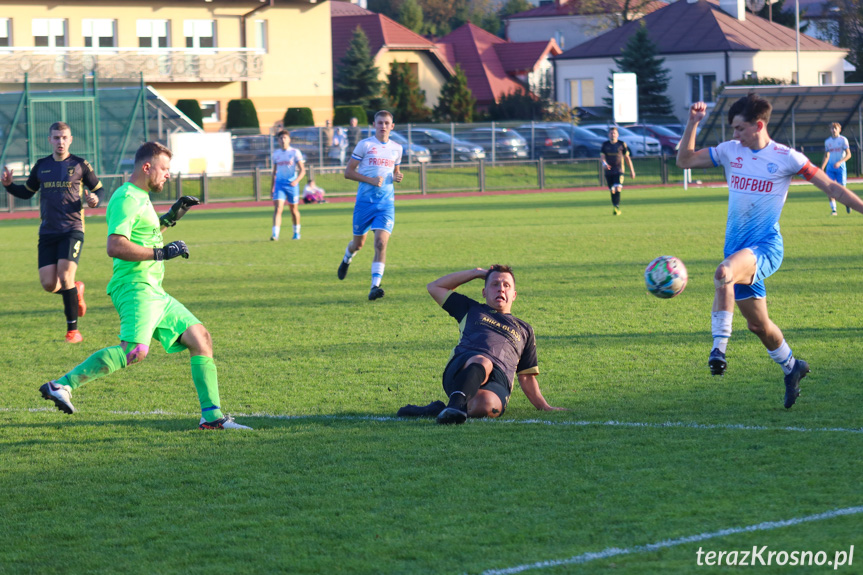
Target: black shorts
(56, 247)
(613, 179)
(497, 382)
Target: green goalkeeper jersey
(131, 214)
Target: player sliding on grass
(146, 311)
(759, 172)
(494, 347)
(374, 164)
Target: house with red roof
(495, 67)
(572, 22)
(389, 42)
(705, 43)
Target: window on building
(49, 32)
(5, 32)
(152, 33)
(99, 33)
(261, 38)
(825, 78)
(581, 92)
(750, 75)
(794, 78)
(210, 111)
(701, 87)
(200, 33)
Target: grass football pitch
(654, 460)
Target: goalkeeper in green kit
(146, 311)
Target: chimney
(736, 8)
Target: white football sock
(377, 273)
(276, 230)
(720, 322)
(783, 356)
(349, 255)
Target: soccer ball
(665, 277)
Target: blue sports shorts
(767, 261)
(285, 191)
(837, 175)
(373, 216)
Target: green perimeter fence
(426, 178)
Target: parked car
(307, 141)
(412, 153)
(638, 145)
(508, 144)
(547, 141)
(444, 147)
(252, 152)
(668, 140)
(585, 144)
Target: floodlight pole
(797, 29)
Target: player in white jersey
(759, 172)
(374, 164)
(836, 153)
(288, 170)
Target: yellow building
(278, 53)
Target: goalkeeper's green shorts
(147, 312)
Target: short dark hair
(752, 108)
(281, 133)
(384, 113)
(500, 269)
(59, 127)
(150, 150)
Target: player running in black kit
(613, 153)
(494, 348)
(61, 235)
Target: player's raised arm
(687, 155)
(530, 387)
(440, 288)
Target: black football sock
(467, 382)
(615, 198)
(70, 307)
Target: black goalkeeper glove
(178, 210)
(171, 251)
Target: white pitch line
(609, 423)
(615, 551)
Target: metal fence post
(481, 174)
(451, 145)
(540, 172)
(205, 187)
(423, 186)
(493, 152)
(179, 185)
(257, 183)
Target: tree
(438, 15)
(511, 7)
(639, 57)
(192, 109)
(844, 28)
(776, 14)
(517, 105)
(389, 8)
(298, 117)
(405, 96)
(241, 114)
(456, 102)
(411, 15)
(358, 79)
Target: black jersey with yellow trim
(61, 204)
(507, 341)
